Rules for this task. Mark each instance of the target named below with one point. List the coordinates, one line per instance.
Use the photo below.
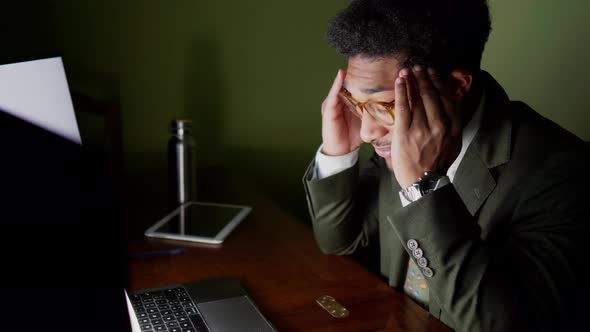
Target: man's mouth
(383, 151)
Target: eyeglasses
(380, 111)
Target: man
(473, 201)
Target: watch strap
(442, 181)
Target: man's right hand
(340, 128)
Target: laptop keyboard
(168, 309)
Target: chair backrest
(100, 125)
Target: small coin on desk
(334, 308)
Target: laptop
(41, 129)
(216, 305)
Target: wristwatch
(426, 184)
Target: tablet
(199, 222)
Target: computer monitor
(63, 246)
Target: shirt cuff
(403, 199)
(326, 166)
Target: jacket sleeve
(528, 280)
(342, 207)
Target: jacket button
(412, 244)
(427, 272)
(422, 262)
(418, 253)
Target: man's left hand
(427, 136)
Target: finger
(436, 81)
(412, 88)
(403, 117)
(418, 115)
(430, 96)
(332, 98)
(439, 85)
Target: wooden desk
(276, 259)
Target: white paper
(37, 91)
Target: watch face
(428, 182)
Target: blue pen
(156, 253)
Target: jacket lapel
(473, 181)
(490, 148)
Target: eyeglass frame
(389, 106)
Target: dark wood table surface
(276, 259)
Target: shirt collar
(469, 133)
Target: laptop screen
(37, 92)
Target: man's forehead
(371, 75)
(373, 65)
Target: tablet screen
(200, 220)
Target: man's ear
(460, 82)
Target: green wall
(252, 75)
(539, 52)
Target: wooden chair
(100, 125)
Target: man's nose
(371, 129)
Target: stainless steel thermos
(181, 167)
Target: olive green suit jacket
(506, 240)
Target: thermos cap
(180, 124)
